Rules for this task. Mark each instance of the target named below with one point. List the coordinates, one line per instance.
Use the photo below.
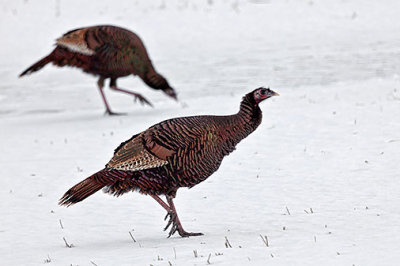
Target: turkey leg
(100, 84)
(142, 100)
(173, 218)
(176, 222)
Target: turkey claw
(142, 100)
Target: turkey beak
(171, 93)
(174, 96)
(272, 93)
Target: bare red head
(261, 94)
(158, 82)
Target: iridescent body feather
(180, 152)
(108, 52)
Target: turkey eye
(262, 92)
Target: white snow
(327, 151)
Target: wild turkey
(107, 52)
(180, 152)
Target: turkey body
(180, 152)
(192, 149)
(108, 52)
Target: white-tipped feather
(143, 161)
(133, 156)
(78, 48)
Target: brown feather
(82, 190)
(134, 156)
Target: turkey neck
(154, 80)
(242, 124)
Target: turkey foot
(173, 221)
(177, 226)
(109, 112)
(176, 223)
(137, 96)
(141, 99)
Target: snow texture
(319, 177)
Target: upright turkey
(108, 52)
(180, 152)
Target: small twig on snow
(66, 243)
(48, 259)
(265, 240)
(208, 260)
(227, 244)
(134, 240)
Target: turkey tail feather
(82, 190)
(37, 66)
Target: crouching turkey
(180, 152)
(108, 52)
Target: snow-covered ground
(319, 177)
